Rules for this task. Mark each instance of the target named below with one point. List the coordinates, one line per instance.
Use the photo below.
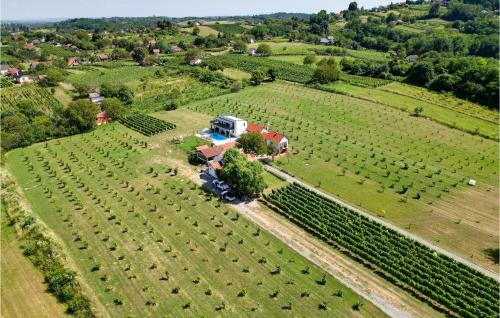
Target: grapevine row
(146, 125)
(458, 287)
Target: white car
(230, 197)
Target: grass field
(287, 48)
(206, 30)
(409, 170)
(151, 243)
(440, 112)
(443, 100)
(23, 293)
(236, 74)
(96, 76)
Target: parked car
(229, 197)
(223, 186)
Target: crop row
(146, 125)
(290, 71)
(458, 287)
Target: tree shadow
(493, 254)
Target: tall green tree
(82, 114)
(264, 49)
(253, 142)
(327, 71)
(244, 176)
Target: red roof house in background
(102, 117)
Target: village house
(277, 141)
(23, 79)
(412, 58)
(330, 40)
(213, 167)
(175, 49)
(13, 71)
(29, 46)
(4, 69)
(151, 42)
(253, 52)
(96, 98)
(268, 38)
(102, 117)
(229, 126)
(250, 40)
(103, 57)
(73, 61)
(256, 128)
(156, 52)
(214, 153)
(200, 22)
(195, 60)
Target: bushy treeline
(30, 114)
(44, 254)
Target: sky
(47, 9)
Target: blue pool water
(217, 137)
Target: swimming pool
(217, 137)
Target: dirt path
(389, 298)
(385, 223)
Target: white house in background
(412, 58)
(327, 41)
(96, 98)
(252, 52)
(229, 126)
(4, 69)
(250, 40)
(195, 61)
(23, 78)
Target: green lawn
(150, 243)
(412, 171)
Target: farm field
(236, 74)
(23, 291)
(440, 113)
(299, 59)
(41, 98)
(207, 30)
(96, 76)
(287, 48)
(152, 92)
(450, 101)
(409, 170)
(469, 293)
(129, 220)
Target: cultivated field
(287, 48)
(410, 170)
(463, 117)
(151, 243)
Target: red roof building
(256, 128)
(278, 141)
(102, 117)
(13, 71)
(209, 153)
